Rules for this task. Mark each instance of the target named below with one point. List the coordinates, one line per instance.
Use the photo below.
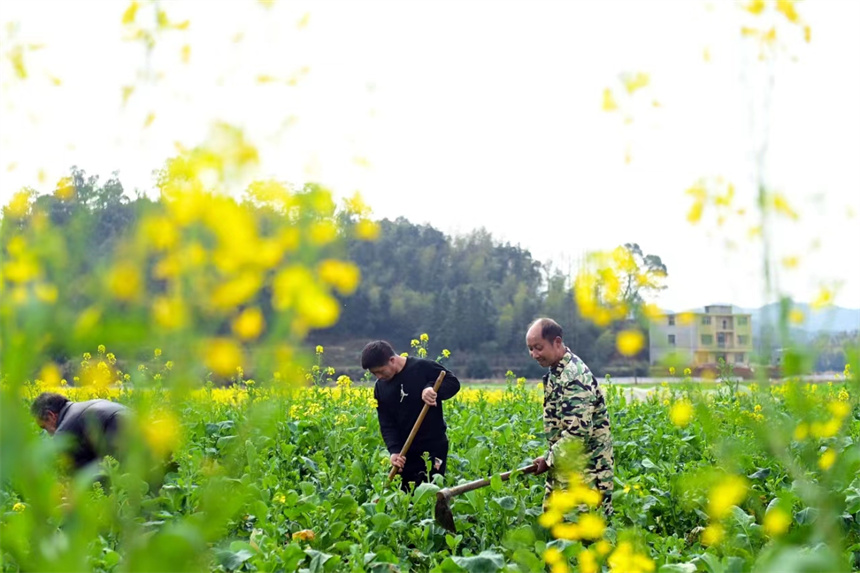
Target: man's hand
(429, 396)
(398, 461)
(541, 465)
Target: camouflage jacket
(574, 408)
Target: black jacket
(91, 429)
(398, 411)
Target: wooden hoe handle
(417, 425)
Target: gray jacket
(91, 429)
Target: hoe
(443, 513)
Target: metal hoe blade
(444, 515)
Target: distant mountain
(828, 319)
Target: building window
(725, 322)
(743, 339)
(743, 321)
(671, 340)
(739, 358)
(707, 339)
(706, 320)
(671, 320)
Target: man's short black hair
(376, 354)
(48, 402)
(549, 329)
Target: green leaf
(648, 464)
(111, 558)
(449, 566)
(806, 516)
(760, 474)
(528, 560)
(507, 503)
(381, 521)
(423, 491)
(336, 529)
(485, 562)
(711, 562)
(520, 537)
(496, 482)
(233, 560)
(677, 568)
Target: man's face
(386, 371)
(546, 353)
(49, 423)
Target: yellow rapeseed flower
(65, 189)
(591, 526)
(603, 547)
(609, 101)
(801, 431)
(249, 324)
(681, 413)
(124, 281)
(755, 6)
(554, 558)
(630, 342)
(827, 459)
(713, 534)
(319, 349)
(625, 560)
(50, 375)
(788, 10)
(19, 507)
(823, 299)
(550, 518)
(730, 491)
(569, 531)
(840, 409)
(776, 521)
(222, 356)
(587, 561)
(344, 276)
(161, 431)
(169, 313)
(367, 230)
(424, 337)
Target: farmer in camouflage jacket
(575, 417)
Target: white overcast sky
(477, 114)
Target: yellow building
(698, 338)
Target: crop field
(271, 478)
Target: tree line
(473, 294)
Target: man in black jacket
(403, 386)
(91, 429)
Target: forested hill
(472, 294)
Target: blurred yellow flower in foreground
(625, 559)
(776, 521)
(249, 324)
(223, 356)
(729, 492)
(367, 230)
(125, 281)
(827, 459)
(681, 413)
(587, 561)
(341, 275)
(713, 534)
(630, 342)
(161, 431)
